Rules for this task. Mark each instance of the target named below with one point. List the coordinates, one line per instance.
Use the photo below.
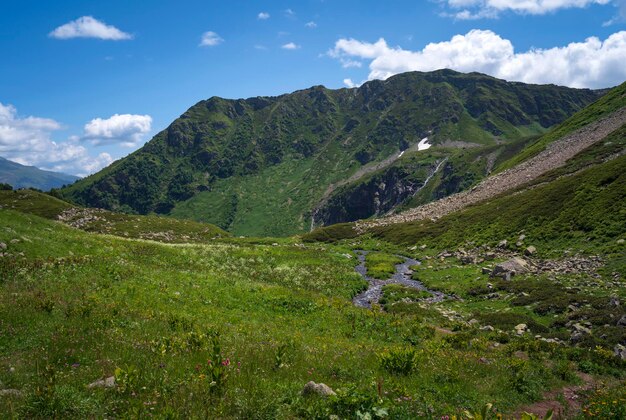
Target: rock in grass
(520, 329)
(311, 388)
(619, 351)
(10, 393)
(531, 250)
(103, 383)
(3, 246)
(622, 321)
(510, 268)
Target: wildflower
(208, 362)
(226, 362)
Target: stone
(467, 259)
(619, 351)
(311, 388)
(10, 393)
(510, 268)
(521, 238)
(3, 246)
(622, 321)
(503, 244)
(531, 250)
(486, 270)
(614, 302)
(621, 241)
(579, 328)
(423, 247)
(489, 256)
(473, 322)
(487, 328)
(103, 383)
(521, 329)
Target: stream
(401, 276)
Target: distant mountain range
(21, 176)
(283, 165)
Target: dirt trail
(554, 156)
(564, 402)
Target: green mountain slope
(20, 176)
(262, 166)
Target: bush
(401, 361)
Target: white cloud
(290, 46)
(349, 83)
(477, 9)
(88, 27)
(210, 39)
(592, 63)
(27, 140)
(311, 25)
(126, 129)
(263, 16)
(290, 13)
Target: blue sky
(85, 82)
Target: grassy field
(235, 328)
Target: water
(402, 276)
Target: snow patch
(423, 144)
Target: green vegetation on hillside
(236, 330)
(102, 221)
(261, 165)
(607, 104)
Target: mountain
(565, 190)
(282, 165)
(20, 176)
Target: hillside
(106, 222)
(266, 165)
(20, 176)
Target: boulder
(103, 383)
(521, 329)
(487, 328)
(486, 270)
(614, 302)
(489, 256)
(622, 321)
(531, 250)
(10, 393)
(619, 351)
(509, 268)
(311, 388)
(503, 244)
(3, 246)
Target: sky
(83, 83)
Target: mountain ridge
(23, 176)
(241, 163)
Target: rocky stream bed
(402, 276)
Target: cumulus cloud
(592, 63)
(210, 39)
(27, 140)
(311, 25)
(290, 46)
(126, 129)
(349, 83)
(263, 16)
(89, 27)
(477, 9)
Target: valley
(489, 282)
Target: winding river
(402, 276)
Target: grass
(381, 265)
(102, 221)
(79, 306)
(611, 102)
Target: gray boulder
(311, 388)
(619, 351)
(3, 246)
(509, 268)
(103, 383)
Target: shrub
(401, 361)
